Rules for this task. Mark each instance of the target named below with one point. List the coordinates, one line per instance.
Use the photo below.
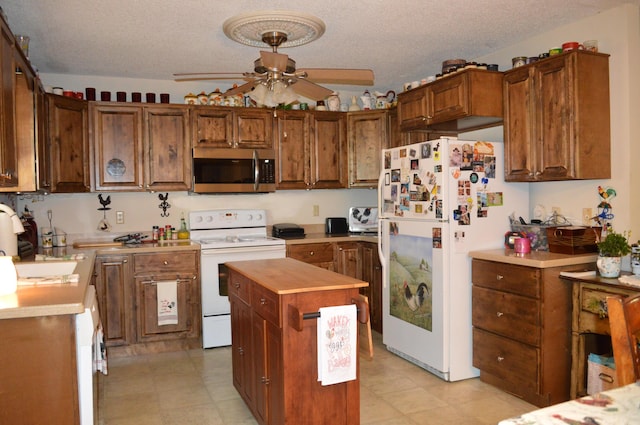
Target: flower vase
(609, 266)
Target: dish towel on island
(167, 302)
(337, 344)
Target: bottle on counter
(183, 233)
(155, 233)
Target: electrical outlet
(119, 217)
(316, 210)
(587, 213)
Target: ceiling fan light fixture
(251, 28)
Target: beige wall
(618, 33)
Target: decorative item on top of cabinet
(320, 140)
(141, 148)
(468, 100)
(556, 119)
(68, 144)
(368, 135)
(220, 127)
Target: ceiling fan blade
(241, 89)
(274, 61)
(187, 74)
(311, 90)
(361, 77)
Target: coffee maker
(10, 227)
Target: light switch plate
(119, 217)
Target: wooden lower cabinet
(356, 259)
(127, 297)
(521, 320)
(38, 377)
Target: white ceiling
(400, 40)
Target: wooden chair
(624, 321)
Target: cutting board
(95, 244)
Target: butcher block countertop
(289, 276)
(538, 259)
(52, 299)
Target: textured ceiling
(399, 40)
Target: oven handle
(218, 251)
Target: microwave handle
(256, 170)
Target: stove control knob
(259, 217)
(198, 219)
(208, 219)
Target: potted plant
(611, 250)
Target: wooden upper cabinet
(166, 145)
(8, 145)
(221, 127)
(467, 100)
(292, 149)
(368, 135)
(311, 149)
(68, 143)
(557, 119)
(141, 147)
(329, 157)
(117, 140)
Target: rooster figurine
(415, 301)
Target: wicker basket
(573, 239)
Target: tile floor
(194, 387)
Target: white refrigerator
(438, 200)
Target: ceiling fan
(275, 77)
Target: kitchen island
(38, 377)
(274, 341)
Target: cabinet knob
(500, 359)
(265, 380)
(236, 285)
(241, 351)
(499, 277)
(263, 301)
(499, 314)
(165, 262)
(125, 261)
(311, 253)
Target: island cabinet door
(241, 354)
(268, 372)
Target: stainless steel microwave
(228, 170)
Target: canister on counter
(155, 233)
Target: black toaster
(336, 226)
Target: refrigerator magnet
(473, 178)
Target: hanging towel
(167, 302)
(100, 351)
(337, 344)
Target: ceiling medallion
(249, 28)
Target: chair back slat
(624, 321)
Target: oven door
(216, 310)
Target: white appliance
(227, 235)
(87, 324)
(438, 200)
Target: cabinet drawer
(506, 314)
(239, 286)
(311, 253)
(506, 359)
(159, 262)
(520, 280)
(593, 309)
(266, 304)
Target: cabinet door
(519, 125)
(168, 166)
(117, 140)
(25, 122)
(8, 149)
(292, 149)
(69, 144)
(147, 308)
(348, 259)
(372, 273)
(448, 98)
(554, 126)
(42, 140)
(260, 376)
(268, 369)
(114, 292)
(212, 127)
(254, 128)
(242, 354)
(367, 138)
(412, 109)
(329, 157)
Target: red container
(105, 96)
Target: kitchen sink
(45, 268)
